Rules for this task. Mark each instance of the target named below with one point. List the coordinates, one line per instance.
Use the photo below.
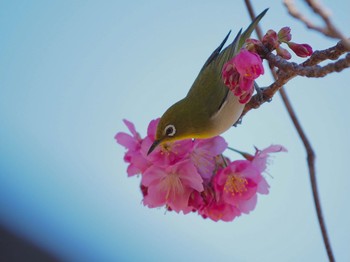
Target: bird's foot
(259, 92)
(238, 122)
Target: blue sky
(70, 71)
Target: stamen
(235, 184)
(172, 185)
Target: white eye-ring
(170, 130)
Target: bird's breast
(227, 115)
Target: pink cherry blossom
(171, 186)
(238, 184)
(133, 156)
(261, 156)
(240, 72)
(249, 65)
(200, 200)
(131, 142)
(208, 205)
(167, 153)
(204, 153)
(220, 210)
(260, 161)
(193, 175)
(231, 78)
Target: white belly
(229, 113)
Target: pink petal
(214, 146)
(131, 127)
(154, 197)
(274, 148)
(260, 157)
(263, 187)
(153, 175)
(245, 97)
(152, 128)
(248, 205)
(246, 84)
(189, 175)
(248, 64)
(179, 202)
(127, 141)
(138, 161)
(132, 170)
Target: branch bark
(328, 29)
(309, 68)
(280, 79)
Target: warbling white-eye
(209, 108)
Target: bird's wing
(215, 53)
(208, 91)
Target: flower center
(166, 149)
(235, 185)
(172, 185)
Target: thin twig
(332, 53)
(328, 29)
(308, 148)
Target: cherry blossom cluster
(194, 176)
(240, 72)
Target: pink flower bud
(302, 50)
(283, 53)
(284, 34)
(270, 40)
(239, 73)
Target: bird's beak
(153, 146)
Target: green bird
(209, 108)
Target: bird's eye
(170, 130)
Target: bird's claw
(238, 122)
(259, 92)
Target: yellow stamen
(235, 184)
(172, 185)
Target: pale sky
(70, 71)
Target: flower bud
(270, 40)
(302, 50)
(284, 34)
(252, 44)
(282, 52)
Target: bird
(209, 108)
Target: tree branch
(328, 29)
(308, 71)
(308, 68)
(280, 80)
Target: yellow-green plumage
(209, 108)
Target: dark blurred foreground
(14, 248)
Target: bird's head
(175, 124)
